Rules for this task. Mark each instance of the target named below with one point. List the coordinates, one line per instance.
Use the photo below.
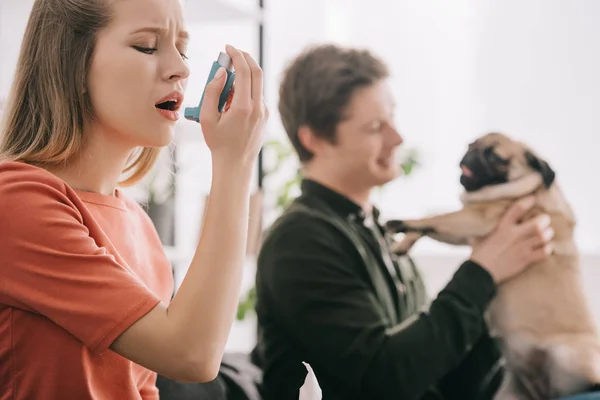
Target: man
(331, 293)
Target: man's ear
(308, 139)
(535, 162)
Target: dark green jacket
(327, 297)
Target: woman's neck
(97, 168)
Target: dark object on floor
(238, 379)
(174, 390)
(585, 396)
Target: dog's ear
(542, 167)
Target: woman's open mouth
(169, 105)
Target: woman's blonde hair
(49, 106)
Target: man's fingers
(535, 226)
(540, 239)
(243, 79)
(517, 210)
(209, 113)
(536, 239)
(539, 253)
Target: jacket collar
(341, 204)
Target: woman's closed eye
(152, 50)
(146, 50)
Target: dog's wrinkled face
(495, 159)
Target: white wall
(13, 18)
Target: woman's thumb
(209, 113)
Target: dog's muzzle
(480, 170)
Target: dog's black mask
(482, 167)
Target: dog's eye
(491, 155)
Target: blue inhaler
(193, 113)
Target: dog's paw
(425, 231)
(396, 226)
(404, 245)
(401, 226)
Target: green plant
(283, 154)
(410, 160)
(247, 304)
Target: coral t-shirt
(76, 270)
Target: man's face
(364, 152)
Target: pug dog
(542, 318)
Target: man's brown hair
(317, 87)
(49, 107)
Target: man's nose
(395, 138)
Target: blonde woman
(85, 310)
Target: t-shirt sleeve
(50, 265)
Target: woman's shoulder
(26, 188)
(34, 207)
(20, 176)
(32, 193)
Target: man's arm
(336, 316)
(479, 374)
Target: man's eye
(145, 50)
(376, 126)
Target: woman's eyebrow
(160, 31)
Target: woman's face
(139, 62)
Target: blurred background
(528, 68)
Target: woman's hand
(236, 135)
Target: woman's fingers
(257, 79)
(209, 113)
(243, 79)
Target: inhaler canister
(223, 60)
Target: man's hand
(514, 246)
